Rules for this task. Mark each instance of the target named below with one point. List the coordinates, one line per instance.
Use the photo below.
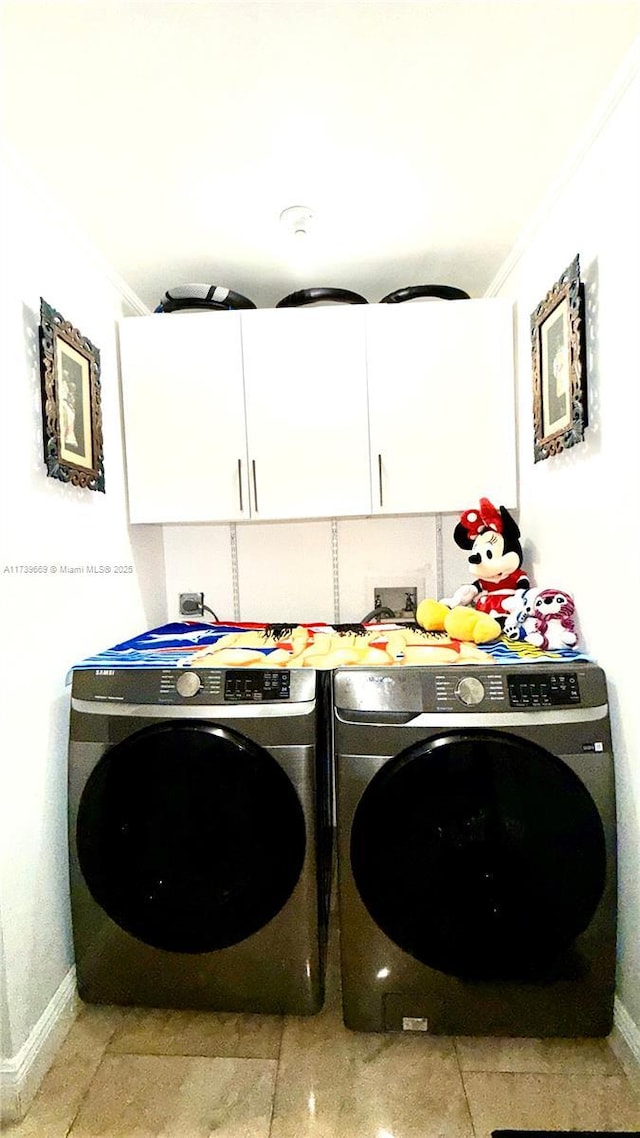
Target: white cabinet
(184, 419)
(319, 412)
(441, 405)
(306, 402)
(197, 386)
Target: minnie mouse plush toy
(496, 556)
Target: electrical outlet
(401, 600)
(191, 604)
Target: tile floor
(139, 1073)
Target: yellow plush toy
(460, 622)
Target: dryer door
(480, 854)
(190, 836)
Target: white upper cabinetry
(318, 412)
(306, 399)
(441, 405)
(185, 437)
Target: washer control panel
(202, 687)
(242, 686)
(196, 687)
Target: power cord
(192, 604)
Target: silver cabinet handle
(380, 477)
(240, 485)
(255, 484)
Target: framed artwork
(71, 410)
(560, 412)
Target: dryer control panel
(553, 689)
(543, 689)
(514, 689)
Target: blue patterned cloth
(173, 645)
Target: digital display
(243, 686)
(557, 689)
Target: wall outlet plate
(402, 600)
(191, 604)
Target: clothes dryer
(476, 849)
(200, 837)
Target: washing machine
(200, 837)
(476, 849)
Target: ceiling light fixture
(297, 219)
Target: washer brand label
(415, 1023)
(597, 747)
(105, 672)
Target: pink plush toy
(545, 618)
(554, 612)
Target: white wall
(299, 571)
(50, 620)
(578, 510)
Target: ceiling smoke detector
(296, 219)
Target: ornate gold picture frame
(560, 412)
(71, 409)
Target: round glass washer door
(480, 854)
(189, 836)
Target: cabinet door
(441, 405)
(184, 417)
(306, 403)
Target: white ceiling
(422, 134)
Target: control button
(188, 683)
(470, 691)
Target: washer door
(190, 836)
(480, 854)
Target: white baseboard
(20, 1077)
(625, 1042)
